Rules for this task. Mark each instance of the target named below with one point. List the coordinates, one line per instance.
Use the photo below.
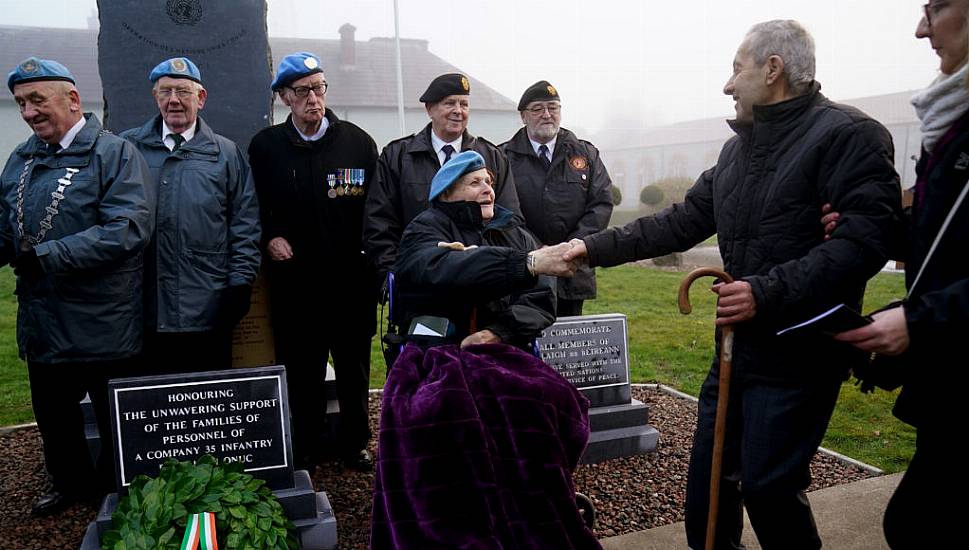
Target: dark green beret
(445, 85)
(539, 91)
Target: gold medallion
(340, 191)
(579, 163)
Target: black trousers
(568, 307)
(55, 392)
(175, 352)
(773, 431)
(917, 515)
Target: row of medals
(347, 189)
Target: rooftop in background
(360, 74)
(889, 109)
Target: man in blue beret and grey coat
(75, 219)
(204, 254)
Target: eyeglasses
(303, 91)
(182, 93)
(538, 110)
(932, 9)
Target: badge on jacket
(345, 182)
(579, 163)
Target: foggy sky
(616, 63)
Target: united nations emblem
(184, 12)
(465, 84)
(310, 63)
(579, 163)
(28, 67)
(551, 90)
(179, 65)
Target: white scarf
(941, 104)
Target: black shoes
(51, 503)
(360, 461)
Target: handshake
(560, 260)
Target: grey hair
(789, 40)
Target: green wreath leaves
(152, 516)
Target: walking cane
(726, 356)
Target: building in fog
(361, 76)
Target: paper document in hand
(836, 320)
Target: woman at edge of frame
(926, 333)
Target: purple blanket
(476, 450)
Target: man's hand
(736, 303)
(234, 305)
(27, 267)
(577, 252)
(829, 219)
(550, 260)
(279, 249)
(887, 334)
(481, 337)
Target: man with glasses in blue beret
(75, 219)
(563, 186)
(204, 254)
(313, 173)
(407, 166)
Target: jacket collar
(779, 116)
(203, 142)
(520, 144)
(298, 141)
(82, 144)
(468, 214)
(422, 141)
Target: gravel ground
(630, 494)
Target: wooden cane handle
(684, 297)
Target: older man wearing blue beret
(76, 217)
(204, 254)
(313, 173)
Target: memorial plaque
(239, 415)
(591, 352)
(228, 42)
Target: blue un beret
(176, 67)
(33, 69)
(459, 165)
(294, 67)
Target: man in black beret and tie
(407, 166)
(564, 189)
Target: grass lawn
(665, 347)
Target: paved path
(849, 517)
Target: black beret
(445, 85)
(539, 91)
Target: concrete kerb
(833, 454)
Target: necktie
(448, 150)
(179, 139)
(543, 154)
(53, 148)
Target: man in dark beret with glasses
(564, 189)
(407, 166)
(313, 174)
(204, 254)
